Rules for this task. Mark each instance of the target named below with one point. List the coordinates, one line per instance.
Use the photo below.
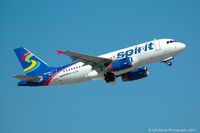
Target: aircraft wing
(87, 59)
(28, 78)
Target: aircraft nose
(180, 46)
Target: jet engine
(136, 74)
(122, 64)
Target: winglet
(59, 52)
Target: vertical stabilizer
(31, 64)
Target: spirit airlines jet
(128, 63)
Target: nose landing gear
(168, 61)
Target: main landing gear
(109, 77)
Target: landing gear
(167, 61)
(109, 77)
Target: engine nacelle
(136, 74)
(121, 64)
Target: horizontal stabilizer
(28, 78)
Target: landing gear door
(156, 45)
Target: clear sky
(168, 98)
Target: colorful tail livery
(126, 63)
(31, 64)
(38, 73)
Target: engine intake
(136, 74)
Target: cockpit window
(171, 41)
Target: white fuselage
(144, 53)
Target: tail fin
(31, 64)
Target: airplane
(128, 63)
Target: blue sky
(168, 98)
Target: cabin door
(157, 45)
